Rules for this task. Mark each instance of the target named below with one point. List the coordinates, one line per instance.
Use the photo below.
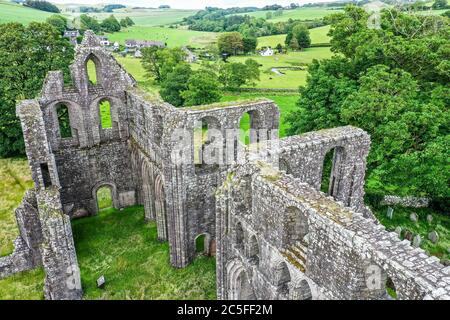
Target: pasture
(318, 35)
(173, 37)
(296, 14)
(11, 12)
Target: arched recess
(295, 228)
(65, 129)
(282, 279)
(329, 182)
(160, 208)
(253, 250)
(251, 126)
(238, 283)
(208, 149)
(93, 70)
(113, 190)
(300, 291)
(239, 236)
(148, 191)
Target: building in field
(275, 235)
(267, 52)
(72, 35)
(139, 44)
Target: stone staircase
(296, 255)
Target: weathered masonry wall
(275, 236)
(290, 241)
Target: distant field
(144, 17)
(11, 12)
(289, 79)
(300, 13)
(173, 37)
(318, 35)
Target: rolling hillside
(11, 12)
(300, 13)
(318, 35)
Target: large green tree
(58, 21)
(230, 43)
(203, 88)
(298, 37)
(27, 53)
(175, 83)
(158, 63)
(237, 74)
(393, 83)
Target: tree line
(393, 82)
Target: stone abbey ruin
(274, 234)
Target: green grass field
(318, 35)
(173, 37)
(299, 14)
(144, 17)
(11, 12)
(290, 79)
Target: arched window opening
(244, 125)
(296, 227)
(65, 129)
(93, 70)
(330, 171)
(239, 236)
(160, 209)
(206, 157)
(104, 107)
(253, 250)
(104, 198)
(390, 288)
(283, 278)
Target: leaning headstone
(413, 217)
(417, 240)
(408, 235)
(390, 213)
(429, 218)
(433, 236)
(101, 282)
(398, 231)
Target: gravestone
(414, 217)
(398, 231)
(429, 218)
(390, 213)
(101, 282)
(417, 241)
(408, 235)
(433, 236)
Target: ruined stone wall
(308, 246)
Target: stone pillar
(62, 281)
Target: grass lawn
(146, 17)
(173, 37)
(290, 78)
(11, 12)
(318, 35)
(299, 14)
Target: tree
(27, 53)
(58, 21)
(230, 43)
(129, 21)
(110, 24)
(249, 44)
(301, 33)
(123, 23)
(269, 15)
(158, 63)
(42, 5)
(175, 83)
(392, 82)
(293, 44)
(236, 74)
(279, 48)
(89, 23)
(440, 4)
(203, 88)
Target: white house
(116, 46)
(268, 52)
(104, 41)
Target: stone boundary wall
(408, 202)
